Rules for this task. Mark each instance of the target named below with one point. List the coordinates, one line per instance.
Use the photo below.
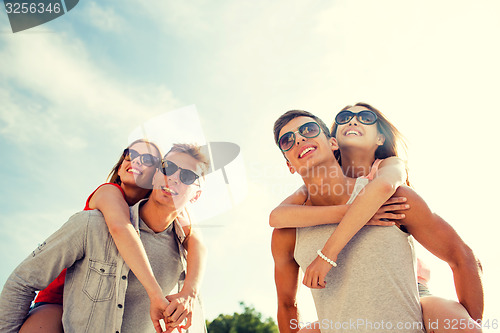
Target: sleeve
(62, 249)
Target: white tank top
(374, 286)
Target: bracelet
(325, 258)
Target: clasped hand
(173, 309)
(316, 273)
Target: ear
(334, 145)
(290, 167)
(195, 197)
(380, 139)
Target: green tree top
(250, 321)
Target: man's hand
(386, 215)
(180, 308)
(157, 307)
(316, 273)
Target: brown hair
(394, 144)
(289, 115)
(195, 152)
(113, 176)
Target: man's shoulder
(415, 201)
(407, 192)
(94, 214)
(419, 212)
(404, 189)
(93, 218)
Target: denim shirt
(96, 282)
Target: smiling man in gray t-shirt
(373, 288)
(101, 294)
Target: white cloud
(181, 18)
(25, 121)
(63, 89)
(104, 18)
(22, 231)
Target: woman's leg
(44, 318)
(443, 315)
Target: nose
(353, 121)
(301, 139)
(174, 178)
(136, 161)
(297, 138)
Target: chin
(127, 181)
(355, 144)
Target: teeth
(352, 132)
(166, 189)
(135, 171)
(305, 151)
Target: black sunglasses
(146, 159)
(308, 130)
(366, 117)
(168, 168)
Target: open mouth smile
(353, 132)
(134, 171)
(307, 151)
(168, 191)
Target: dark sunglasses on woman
(365, 117)
(168, 168)
(145, 159)
(308, 130)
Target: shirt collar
(135, 220)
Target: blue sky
(73, 90)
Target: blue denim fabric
(95, 287)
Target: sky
(73, 92)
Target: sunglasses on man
(168, 168)
(307, 130)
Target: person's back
(373, 288)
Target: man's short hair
(194, 151)
(289, 115)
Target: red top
(53, 294)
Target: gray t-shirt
(373, 288)
(163, 253)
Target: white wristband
(325, 258)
